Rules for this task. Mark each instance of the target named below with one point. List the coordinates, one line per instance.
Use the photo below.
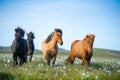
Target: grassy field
(105, 65)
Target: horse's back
(78, 48)
(74, 42)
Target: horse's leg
(67, 60)
(21, 60)
(31, 57)
(20, 63)
(54, 61)
(25, 59)
(88, 61)
(72, 59)
(14, 59)
(89, 58)
(48, 61)
(83, 61)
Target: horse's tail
(73, 43)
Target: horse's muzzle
(61, 43)
(90, 52)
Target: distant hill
(61, 49)
(3, 48)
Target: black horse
(30, 43)
(19, 47)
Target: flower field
(105, 65)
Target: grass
(105, 65)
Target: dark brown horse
(30, 43)
(19, 47)
(50, 47)
(82, 50)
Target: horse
(82, 49)
(30, 43)
(50, 47)
(19, 47)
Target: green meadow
(105, 65)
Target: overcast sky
(76, 18)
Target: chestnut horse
(50, 47)
(82, 50)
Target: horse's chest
(51, 53)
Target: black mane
(49, 37)
(51, 34)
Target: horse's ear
(87, 36)
(93, 35)
(16, 30)
(33, 36)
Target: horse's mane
(85, 38)
(49, 37)
(51, 34)
(58, 30)
(20, 30)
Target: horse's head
(30, 36)
(18, 36)
(19, 33)
(89, 39)
(92, 37)
(58, 35)
(20, 30)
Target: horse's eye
(58, 34)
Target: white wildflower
(41, 65)
(96, 77)
(65, 74)
(118, 71)
(64, 67)
(76, 69)
(5, 65)
(83, 74)
(8, 61)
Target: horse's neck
(92, 43)
(30, 42)
(53, 42)
(18, 40)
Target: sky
(76, 18)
